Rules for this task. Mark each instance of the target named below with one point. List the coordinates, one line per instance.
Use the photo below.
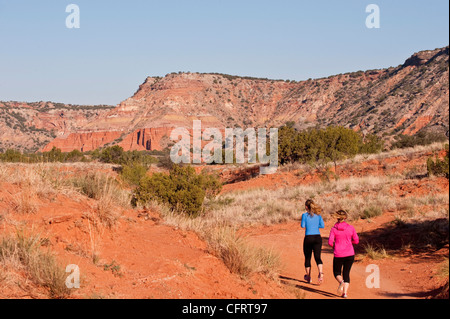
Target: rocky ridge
(405, 99)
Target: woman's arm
(321, 223)
(303, 221)
(331, 238)
(355, 238)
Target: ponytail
(313, 208)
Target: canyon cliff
(406, 99)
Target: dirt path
(287, 240)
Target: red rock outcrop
(83, 142)
(401, 100)
(146, 139)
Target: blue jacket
(312, 224)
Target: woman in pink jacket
(342, 237)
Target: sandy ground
(143, 258)
(400, 277)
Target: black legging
(342, 266)
(312, 243)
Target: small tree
(439, 167)
(182, 190)
(113, 154)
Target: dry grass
(223, 241)
(47, 181)
(240, 257)
(110, 198)
(24, 202)
(443, 270)
(363, 197)
(375, 253)
(406, 152)
(22, 252)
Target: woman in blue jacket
(312, 222)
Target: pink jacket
(342, 237)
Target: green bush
(52, 156)
(75, 156)
(55, 155)
(113, 155)
(11, 156)
(421, 138)
(372, 144)
(182, 189)
(116, 155)
(439, 167)
(331, 144)
(133, 173)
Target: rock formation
(405, 99)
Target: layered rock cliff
(30, 126)
(405, 99)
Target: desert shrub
(113, 155)
(421, 138)
(439, 167)
(164, 161)
(11, 156)
(55, 155)
(133, 173)
(116, 155)
(182, 189)
(74, 156)
(372, 144)
(52, 156)
(25, 252)
(115, 268)
(331, 144)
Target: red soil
(409, 276)
(154, 260)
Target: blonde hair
(341, 215)
(313, 208)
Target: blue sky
(120, 43)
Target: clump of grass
(240, 257)
(443, 273)
(370, 212)
(115, 268)
(24, 202)
(109, 195)
(24, 252)
(443, 269)
(375, 253)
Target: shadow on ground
(303, 285)
(424, 237)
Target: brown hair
(313, 208)
(341, 215)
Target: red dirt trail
(400, 277)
